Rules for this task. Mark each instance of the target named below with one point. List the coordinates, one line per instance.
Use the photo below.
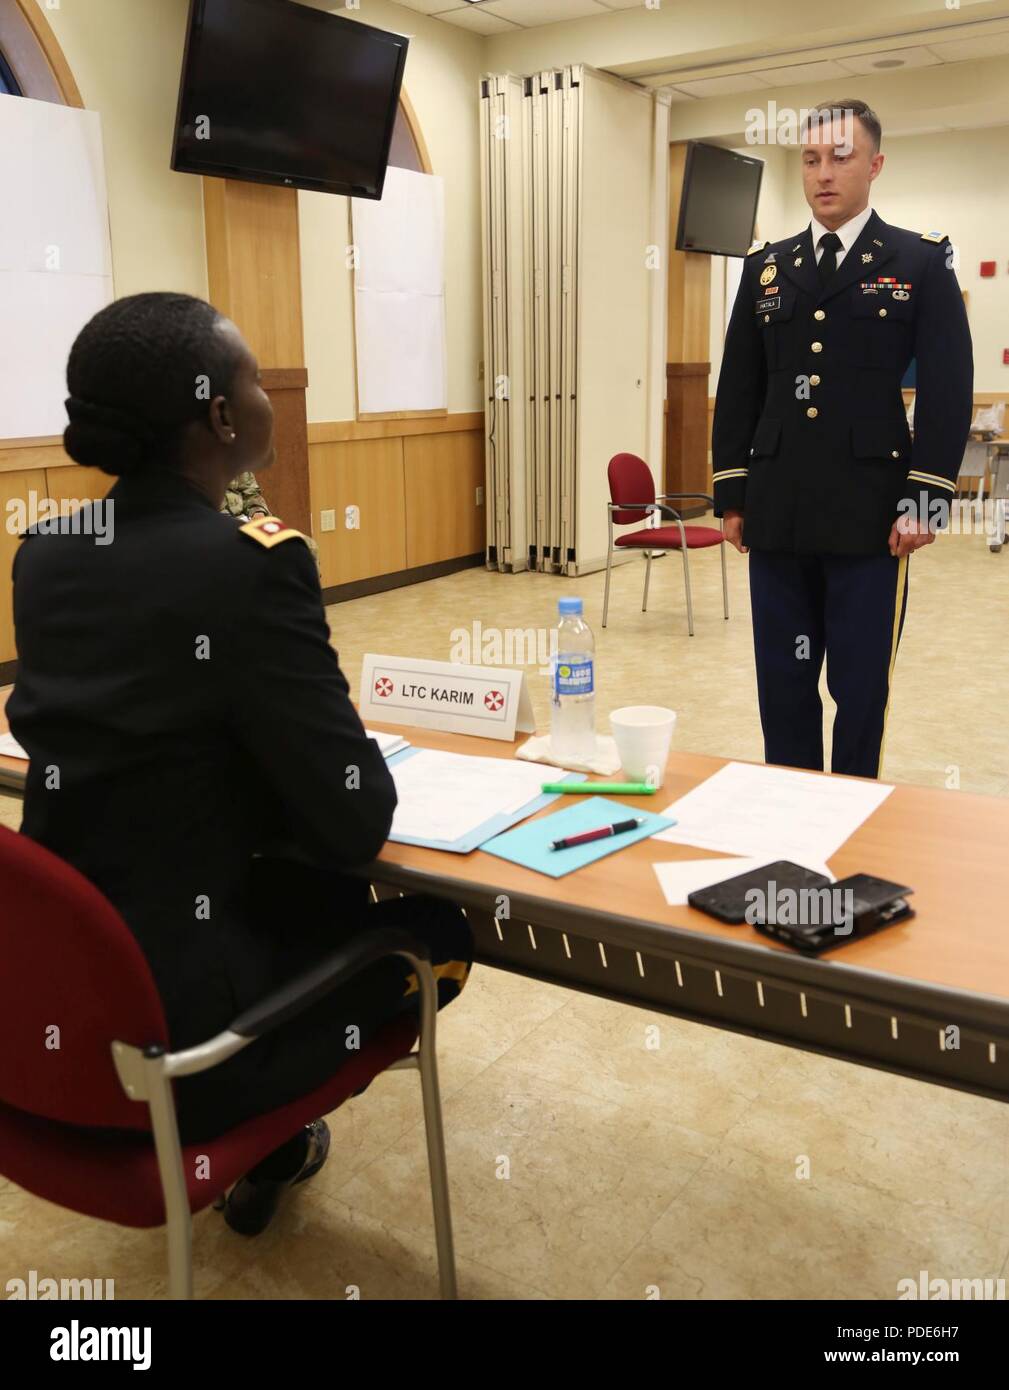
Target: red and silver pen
(587, 836)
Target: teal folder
(529, 844)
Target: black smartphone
(853, 908)
(743, 898)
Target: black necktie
(830, 242)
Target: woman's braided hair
(140, 371)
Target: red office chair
(70, 961)
(632, 498)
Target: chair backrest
(630, 481)
(72, 979)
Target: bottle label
(574, 677)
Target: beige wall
(126, 56)
(443, 69)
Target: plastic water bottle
(573, 694)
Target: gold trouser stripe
(451, 970)
(897, 608)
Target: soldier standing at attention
(815, 473)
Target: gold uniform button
(882, 313)
(816, 347)
(820, 315)
(767, 318)
(895, 454)
(814, 381)
(812, 412)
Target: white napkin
(605, 760)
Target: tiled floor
(583, 1164)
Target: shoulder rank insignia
(269, 531)
(933, 236)
(757, 246)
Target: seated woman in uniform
(194, 751)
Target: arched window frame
(34, 56)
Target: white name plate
(488, 701)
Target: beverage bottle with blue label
(573, 693)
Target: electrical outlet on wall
(327, 520)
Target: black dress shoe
(253, 1201)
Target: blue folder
(475, 838)
(529, 845)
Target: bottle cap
(569, 605)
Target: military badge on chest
(887, 285)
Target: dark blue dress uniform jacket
(810, 437)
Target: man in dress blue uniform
(815, 472)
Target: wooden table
(12, 770)
(887, 1001)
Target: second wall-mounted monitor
(718, 204)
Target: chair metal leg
(180, 1255)
(648, 575)
(609, 563)
(686, 585)
(725, 583)
(435, 1134)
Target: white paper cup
(643, 734)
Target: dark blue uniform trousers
(847, 608)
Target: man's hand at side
(907, 535)
(732, 527)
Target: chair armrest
(338, 969)
(273, 1011)
(642, 507)
(681, 496)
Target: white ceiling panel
(533, 12)
(477, 21)
(958, 50)
(891, 60)
(722, 86)
(800, 72)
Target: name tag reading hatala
(489, 701)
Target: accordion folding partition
(574, 304)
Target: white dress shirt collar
(849, 233)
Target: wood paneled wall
(414, 483)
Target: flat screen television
(276, 92)
(718, 205)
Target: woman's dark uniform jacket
(184, 712)
(810, 437)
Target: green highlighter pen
(610, 788)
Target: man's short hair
(850, 106)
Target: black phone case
(875, 903)
(728, 900)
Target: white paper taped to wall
(55, 257)
(399, 295)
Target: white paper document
(773, 813)
(683, 876)
(443, 796)
(388, 743)
(10, 748)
